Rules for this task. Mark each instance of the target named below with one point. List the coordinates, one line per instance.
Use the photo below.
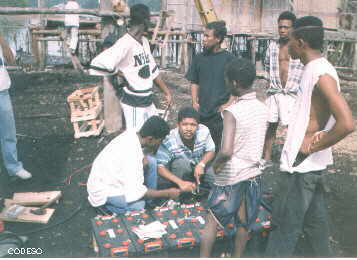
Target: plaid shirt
(172, 147)
(271, 67)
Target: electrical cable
(53, 225)
(14, 239)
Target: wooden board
(34, 198)
(27, 216)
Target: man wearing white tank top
(321, 119)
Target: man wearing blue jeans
(122, 176)
(7, 126)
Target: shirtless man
(283, 74)
(321, 119)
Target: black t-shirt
(207, 71)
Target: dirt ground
(59, 162)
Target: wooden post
(184, 55)
(253, 44)
(41, 44)
(112, 108)
(354, 62)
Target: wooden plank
(34, 198)
(80, 32)
(27, 216)
(24, 11)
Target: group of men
(220, 142)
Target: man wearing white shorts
(283, 74)
(132, 56)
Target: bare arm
(340, 110)
(207, 157)
(225, 154)
(229, 102)
(8, 55)
(199, 169)
(161, 84)
(194, 96)
(167, 174)
(167, 193)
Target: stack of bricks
(86, 112)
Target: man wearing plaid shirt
(283, 74)
(183, 155)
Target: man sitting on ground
(236, 193)
(119, 180)
(183, 156)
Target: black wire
(53, 225)
(14, 239)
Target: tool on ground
(42, 209)
(165, 114)
(13, 211)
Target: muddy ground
(59, 162)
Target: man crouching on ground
(183, 156)
(119, 180)
(236, 193)
(321, 119)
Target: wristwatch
(202, 164)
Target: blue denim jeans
(299, 207)
(225, 201)
(8, 134)
(119, 205)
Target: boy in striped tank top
(236, 193)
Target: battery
(132, 220)
(112, 237)
(180, 234)
(184, 225)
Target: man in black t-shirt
(206, 73)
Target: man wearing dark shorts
(236, 193)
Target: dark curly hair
(219, 29)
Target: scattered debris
(18, 210)
(35, 198)
(25, 214)
(86, 112)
